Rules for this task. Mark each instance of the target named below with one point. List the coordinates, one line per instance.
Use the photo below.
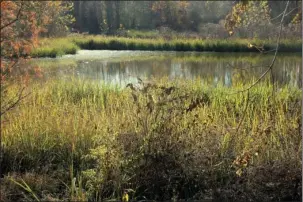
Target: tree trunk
(117, 3)
(110, 16)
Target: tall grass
(58, 46)
(176, 139)
(236, 45)
(54, 47)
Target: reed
(117, 138)
(53, 47)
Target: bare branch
(274, 58)
(269, 51)
(15, 20)
(250, 67)
(12, 105)
(285, 14)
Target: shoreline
(54, 47)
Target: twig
(15, 20)
(274, 58)
(251, 67)
(269, 51)
(285, 14)
(260, 78)
(11, 106)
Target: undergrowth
(162, 140)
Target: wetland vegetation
(70, 45)
(151, 100)
(170, 139)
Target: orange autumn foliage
(21, 24)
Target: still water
(122, 67)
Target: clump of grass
(54, 48)
(166, 139)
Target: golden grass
(118, 138)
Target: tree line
(109, 17)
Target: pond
(123, 67)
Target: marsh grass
(167, 139)
(214, 45)
(53, 47)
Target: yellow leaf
(239, 172)
(125, 197)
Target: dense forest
(204, 17)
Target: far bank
(54, 47)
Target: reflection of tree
(175, 71)
(295, 76)
(227, 78)
(210, 71)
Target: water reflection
(212, 68)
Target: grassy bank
(58, 46)
(54, 48)
(78, 140)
